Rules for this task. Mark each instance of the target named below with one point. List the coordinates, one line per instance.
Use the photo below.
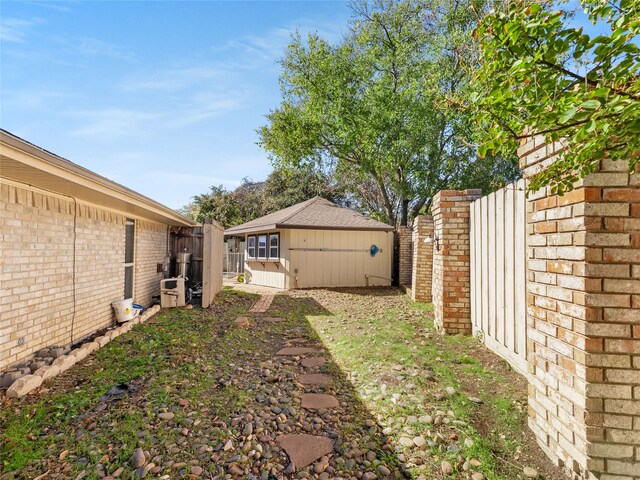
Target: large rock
(294, 351)
(315, 401)
(24, 385)
(47, 371)
(102, 341)
(304, 449)
(65, 362)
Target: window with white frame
(251, 246)
(262, 247)
(274, 246)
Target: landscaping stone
(530, 472)
(64, 362)
(24, 385)
(47, 371)
(315, 401)
(311, 362)
(314, 379)
(294, 351)
(9, 378)
(446, 467)
(274, 319)
(304, 449)
(242, 321)
(138, 458)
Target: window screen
(262, 246)
(274, 246)
(251, 246)
(129, 249)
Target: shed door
(330, 258)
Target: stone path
(263, 303)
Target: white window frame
(130, 265)
(266, 246)
(255, 246)
(277, 247)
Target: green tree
(281, 189)
(536, 72)
(373, 108)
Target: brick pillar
(422, 270)
(583, 318)
(405, 253)
(451, 263)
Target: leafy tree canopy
(283, 188)
(373, 109)
(536, 72)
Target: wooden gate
(211, 261)
(498, 273)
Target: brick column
(583, 319)
(422, 270)
(405, 254)
(451, 264)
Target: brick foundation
(583, 319)
(422, 269)
(451, 267)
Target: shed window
(262, 246)
(274, 246)
(251, 246)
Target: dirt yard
(199, 395)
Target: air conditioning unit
(172, 292)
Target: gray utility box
(172, 292)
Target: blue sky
(163, 97)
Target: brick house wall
(451, 260)
(151, 249)
(583, 318)
(37, 269)
(422, 259)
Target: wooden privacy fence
(498, 273)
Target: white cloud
(16, 30)
(93, 47)
(114, 122)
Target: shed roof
(26, 163)
(316, 213)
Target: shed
(316, 243)
(72, 243)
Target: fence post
(451, 260)
(583, 317)
(404, 256)
(422, 271)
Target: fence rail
(233, 263)
(498, 273)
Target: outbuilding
(316, 243)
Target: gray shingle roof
(316, 213)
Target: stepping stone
(304, 449)
(314, 379)
(311, 362)
(294, 351)
(242, 321)
(297, 340)
(263, 304)
(274, 319)
(315, 401)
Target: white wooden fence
(498, 273)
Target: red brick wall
(422, 270)
(451, 263)
(584, 319)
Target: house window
(274, 246)
(251, 246)
(262, 246)
(129, 242)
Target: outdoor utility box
(172, 292)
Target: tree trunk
(404, 212)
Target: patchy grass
(166, 359)
(401, 367)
